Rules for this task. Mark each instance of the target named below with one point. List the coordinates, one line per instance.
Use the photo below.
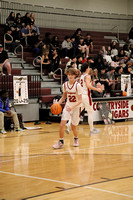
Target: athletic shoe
(67, 130)
(58, 145)
(19, 129)
(3, 131)
(95, 131)
(75, 142)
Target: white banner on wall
(126, 83)
(20, 87)
(121, 109)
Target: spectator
(77, 34)
(4, 63)
(66, 47)
(115, 62)
(12, 27)
(54, 62)
(46, 62)
(36, 28)
(18, 18)
(111, 78)
(79, 61)
(47, 40)
(26, 35)
(84, 58)
(121, 54)
(71, 62)
(18, 26)
(82, 47)
(131, 48)
(94, 77)
(109, 50)
(10, 18)
(55, 42)
(104, 50)
(118, 72)
(114, 50)
(32, 18)
(34, 36)
(90, 61)
(99, 61)
(96, 94)
(26, 19)
(37, 49)
(127, 50)
(89, 43)
(131, 35)
(103, 78)
(9, 41)
(43, 49)
(74, 46)
(5, 111)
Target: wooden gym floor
(101, 168)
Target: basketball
(56, 109)
(124, 93)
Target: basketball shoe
(58, 145)
(95, 131)
(2, 131)
(75, 142)
(19, 129)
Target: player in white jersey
(73, 92)
(85, 81)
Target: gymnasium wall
(113, 6)
(97, 15)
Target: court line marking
(72, 188)
(61, 153)
(67, 183)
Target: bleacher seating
(98, 40)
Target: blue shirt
(2, 105)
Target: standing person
(5, 111)
(85, 81)
(73, 92)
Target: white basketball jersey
(72, 92)
(85, 90)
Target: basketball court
(100, 168)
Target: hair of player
(84, 66)
(72, 71)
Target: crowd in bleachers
(107, 66)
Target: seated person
(111, 78)
(89, 42)
(4, 63)
(9, 41)
(5, 111)
(46, 62)
(26, 34)
(118, 72)
(103, 78)
(72, 60)
(66, 47)
(94, 77)
(82, 47)
(95, 93)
